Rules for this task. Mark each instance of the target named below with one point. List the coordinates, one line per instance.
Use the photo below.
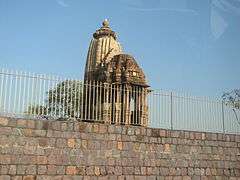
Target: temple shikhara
(115, 86)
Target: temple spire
(102, 48)
(105, 23)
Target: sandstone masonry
(46, 150)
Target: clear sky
(182, 45)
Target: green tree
(64, 100)
(232, 98)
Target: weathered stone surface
(114, 152)
(3, 121)
(5, 177)
(71, 170)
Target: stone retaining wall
(44, 150)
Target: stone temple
(115, 86)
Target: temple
(115, 86)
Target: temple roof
(106, 62)
(105, 30)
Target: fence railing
(29, 95)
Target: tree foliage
(63, 100)
(232, 98)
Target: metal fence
(29, 95)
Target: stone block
(12, 169)
(24, 132)
(31, 169)
(39, 133)
(186, 178)
(140, 178)
(56, 125)
(77, 177)
(177, 178)
(41, 169)
(5, 159)
(81, 170)
(5, 131)
(129, 177)
(103, 178)
(4, 169)
(21, 169)
(17, 178)
(71, 170)
(120, 145)
(103, 129)
(44, 177)
(61, 143)
(155, 133)
(12, 122)
(175, 134)
(96, 128)
(97, 171)
(3, 121)
(22, 123)
(30, 177)
(71, 143)
(5, 177)
(128, 170)
(51, 169)
(90, 170)
(31, 124)
(163, 171)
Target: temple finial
(105, 23)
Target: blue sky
(182, 45)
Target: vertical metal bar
(1, 92)
(10, 91)
(114, 104)
(100, 101)
(70, 91)
(64, 85)
(171, 101)
(68, 94)
(116, 101)
(123, 104)
(135, 105)
(32, 107)
(136, 93)
(61, 95)
(89, 100)
(85, 99)
(96, 113)
(39, 94)
(93, 100)
(78, 98)
(82, 99)
(16, 91)
(5, 92)
(52, 97)
(24, 92)
(223, 118)
(47, 95)
(111, 102)
(28, 92)
(75, 98)
(107, 103)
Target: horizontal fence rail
(29, 95)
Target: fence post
(171, 104)
(223, 123)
